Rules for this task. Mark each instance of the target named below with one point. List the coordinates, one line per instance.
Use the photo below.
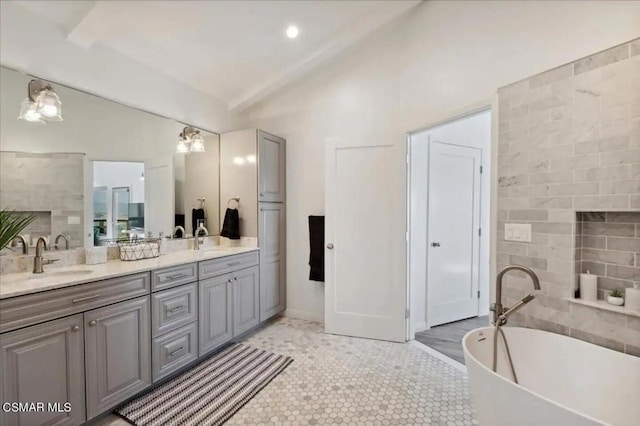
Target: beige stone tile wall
(569, 141)
(45, 183)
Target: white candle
(632, 298)
(589, 286)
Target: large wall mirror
(106, 172)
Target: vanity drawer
(174, 350)
(173, 308)
(35, 308)
(224, 265)
(174, 276)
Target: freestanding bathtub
(563, 381)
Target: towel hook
(201, 202)
(236, 199)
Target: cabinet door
(117, 353)
(271, 167)
(44, 363)
(272, 259)
(246, 300)
(215, 312)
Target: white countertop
(18, 284)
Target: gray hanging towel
(316, 245)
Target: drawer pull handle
(233, 264)
(176, 276)
(177, 308)
(177, 351)
(93, 322)
(84, 299)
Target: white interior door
(159, 208)
(453, 228)
(365, 262)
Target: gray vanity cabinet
(215, 312)
(271, 168)
(117, 353)
(246, 300)
(44, 363)
(271, 227)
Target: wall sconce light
(42, 103)
(190, 140)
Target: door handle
(435, 244)
(330, 246)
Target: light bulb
(292, 31)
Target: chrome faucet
(25, 246)
(66, 242)
(196, 239)
(500, 313)
(176, 229)
(39, 261)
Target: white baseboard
(421, 326)
(309, 316)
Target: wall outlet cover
(520, 232)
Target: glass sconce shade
(49, 105)
(29, 112)
(182, 147)
(197, 143)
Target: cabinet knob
(435, 244)
(93, 322)
(262, 194)
(235, 278)
(230, 281)
(75, 328)
(330, 246)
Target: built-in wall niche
(608, 245)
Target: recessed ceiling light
(292, 31)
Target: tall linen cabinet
(252, 168)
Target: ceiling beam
(95, 24)
(346, 38)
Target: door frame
(490, 105)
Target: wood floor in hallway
(447, 338)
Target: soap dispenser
(632, 297)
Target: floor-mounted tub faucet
(497, 308)
(501, 314)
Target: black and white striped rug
(209, 393)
